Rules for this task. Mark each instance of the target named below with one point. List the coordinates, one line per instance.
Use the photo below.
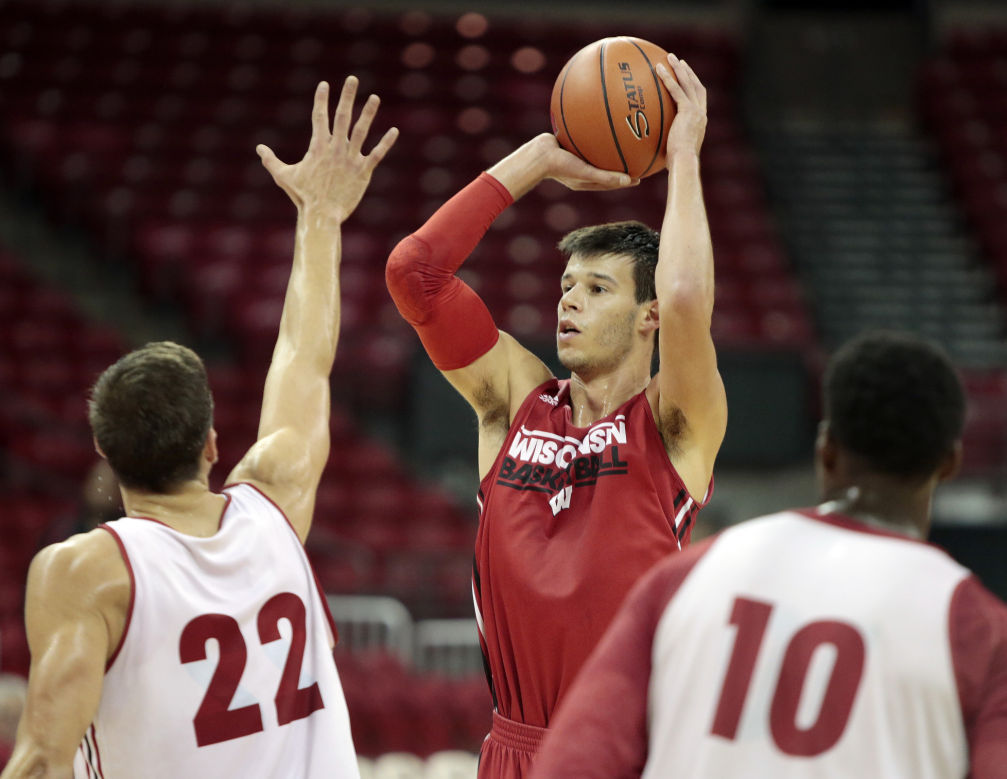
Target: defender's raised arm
(326, 186)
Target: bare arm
(692, 405)
(78, 595)
(497, 383)
(287, 460)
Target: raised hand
(571, 171)
(689, 126)
(543, 158)
(574, 173)
(331, 178)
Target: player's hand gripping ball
(610, 108)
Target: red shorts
(509, 749)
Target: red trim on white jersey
(97, 751)
(824, 515)
(90, 755)
(132, 594)
(83, 756)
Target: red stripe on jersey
(132, 595)
(89, 756)
(83, 755)
(97, 752)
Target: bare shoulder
(282, 467)
(85, 558)
(280, 457)
(496, 383)
(86, 571)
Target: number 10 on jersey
(750, 618)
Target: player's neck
(596, 396)
(902, 509)
(192, 509)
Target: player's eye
(596, 288)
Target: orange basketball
(610, 108)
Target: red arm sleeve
(979, 651)
(452, 321)
(600, 728)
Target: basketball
(610, 108)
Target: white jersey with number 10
(835, 655)
(801, 644)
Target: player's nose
(571, 299)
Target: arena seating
(963, 100)
(49, 355)
(141, 123)
(396, 709)
(138, 123)
(368, 535)
(963, 96)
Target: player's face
(597, 313)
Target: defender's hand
(331, 178)
(689, 125)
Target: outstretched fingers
(320, 116)
(269, 160)
(363, 125)
(381, 149)
(344, 109)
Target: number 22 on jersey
(215, 721)
(750, 619)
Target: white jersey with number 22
(225, 667)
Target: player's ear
(98, 448)
(826, 450)
(210, 452)
(952, 463)
(650, 320)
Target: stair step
(879, 241)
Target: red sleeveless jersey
(570, 518)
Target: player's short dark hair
(630, 238)
(895, 400)
(151, 412)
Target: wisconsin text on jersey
(554, 464)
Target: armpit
(672, 426)
(494, 415)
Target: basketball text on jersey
(545, 462)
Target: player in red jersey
(114, 689)
(826, 642)
(585, 482)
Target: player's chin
(571, 358)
